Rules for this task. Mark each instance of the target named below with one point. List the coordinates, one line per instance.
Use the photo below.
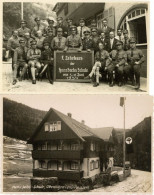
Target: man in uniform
(95, 38)
(47, 62)
(49, 37)
(103, 40)
(87, 42)
(135, 59)
(73, 42)
(126, 40)
(59, 42)
(34, 55)
(61, 25)
(23, 29)
(119, 58)
(20, 60)
(81, 28)
(12, 44)
(101, 57)
(37, 27)
(51, 27)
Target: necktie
(131, 53)
(59, 43)
(120, 38)
(34, 52)
(111, 42)
(81, 32)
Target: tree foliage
(20, 121)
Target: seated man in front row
(100, 64)
(34, 56)
(47, 62)
(20, 60)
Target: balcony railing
(57, 154)
(63, 175)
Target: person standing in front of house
(37, 27)
(106, 29)
(119, 35)
(73, 42)
(111, 42)
(126, 40)
(87, 42)
(95, 38)
(135, 59)
(61, 25)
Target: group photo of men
(117, 60)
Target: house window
(92, 165)
(74, 165)
(46, 127)
(53, 126)
(96, 164)
(59, 146)
(59, 166)
(42, 164)
(135, 23)
(74, 146)
(93, 146)
(44, 146)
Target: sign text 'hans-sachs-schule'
(72, 66)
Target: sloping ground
(17, 165)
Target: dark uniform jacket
(74, 41)
(22, 31)
(135, 55)
(46, 56)
(95, 43)
(20, 55)
(118, 57)
(64, 29)
(88, 44)
(126, 44)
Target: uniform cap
(46, 43)
(93, 28)
(21, 41)
(132, 40)
(37, 19)
(27, 33)
(82, 20)
(59, 18)
(50, 20)
(73, 28)
(59, 30)
(33, 42)
(86, 32)
(119, 43)
(125, 31)
(23, 22)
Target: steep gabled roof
(81, 130)
(104, 132)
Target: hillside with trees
(12, 15)
(20, 121)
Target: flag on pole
(122, 101)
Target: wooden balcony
(62, 175)
(57, 154)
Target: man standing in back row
(135, 59)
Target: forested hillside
(12, 15)
(20, 121)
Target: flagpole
(22, 10)
(124, 146)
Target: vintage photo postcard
(75, 47)
(77, 143)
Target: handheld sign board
(72, 66)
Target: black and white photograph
(75, 47)
(77, 143)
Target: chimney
(69, 114)
(83, 122)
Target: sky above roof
(95, 110)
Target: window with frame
(46, 126)
(44, 147)
(93, 146)
(74, 165)
(74, 146)
(42, 164)
(135, 23)
(59, 166)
